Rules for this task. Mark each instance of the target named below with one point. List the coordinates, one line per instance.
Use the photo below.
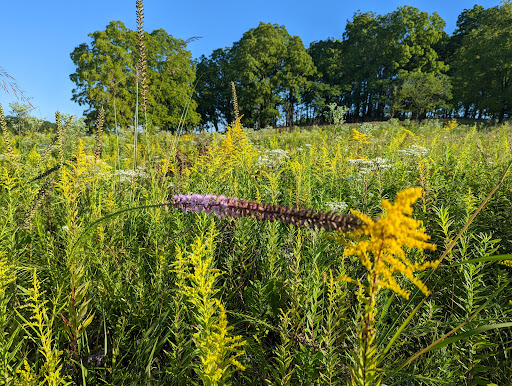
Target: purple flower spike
(223, 207)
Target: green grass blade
(484, 259)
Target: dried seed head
(99, 133)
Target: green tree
(105, 77)
(298, 69)
(21, 114)
(327, 86)
(272, 69)
(483, 70)
(258, 57)
(421, 93)
(363, 67)
(213, 90)
(377, 48)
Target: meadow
(114, 271)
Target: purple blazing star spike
(223, 206)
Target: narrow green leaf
(483, 259)
(399, 331)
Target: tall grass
(256, 257)
(120, 299)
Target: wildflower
(379, 244)
(337, 206)
(414, 151)
(451, 124)
(96, 359)
(128, 175)
(273, 158)
(236, 146)
(360, 137)
(366, 128)
(369, 166)
(223, 206)
(359, 162)
(408, 132)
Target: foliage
(421, 93)
(213, 93)
(196, 279)
(482, 66)
(105, 75)
(159, 293)
(400, 64)
(270, 68)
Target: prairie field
(116, 267)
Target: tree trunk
(502, 115)
(291, 111)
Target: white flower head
(273, 158)
(336, 206)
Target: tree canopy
(400, 64)
(105, 77)
(483, 61)
(271, 70)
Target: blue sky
(37, 37)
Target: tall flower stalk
(223, 206)
(379, 246)
(141, 65)
(218, 349)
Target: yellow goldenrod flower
(218, 349)
(451, 124)
(408, 132)
(236, 147)
(379, 244)
(360, 137)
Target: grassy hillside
(111, 274)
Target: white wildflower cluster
(336, 206)
(366, 128)
(414, 151)
(273, 158)
(97, 167)
(370, 166)
(128, 175)
(6, 157)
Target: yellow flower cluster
(408, 132)
(451, 124)
(6, 276)
(236, 145)
(41, 323)
(379, 244)
(218, 349)
(360, 137)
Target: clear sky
(37, 37)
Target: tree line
(401, 64)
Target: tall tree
(327, 86)
(258, 57)
(376, 49)
(421, 93)
(363, 66)
(483, 73)
(105, 77)
(298, 68)
(213, 90)
(270, 66)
